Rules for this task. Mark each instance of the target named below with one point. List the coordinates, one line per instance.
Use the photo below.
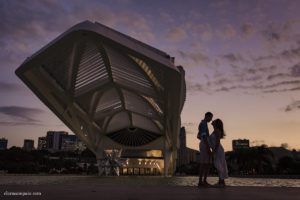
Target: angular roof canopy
(101, 82)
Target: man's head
(208, 116)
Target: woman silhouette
(218, 151)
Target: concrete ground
(130, 192)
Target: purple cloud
(295, 71)
(10, 87)
(22, 114)
(176, 34)
(293, 106)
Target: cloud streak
(293, 106)
(19, 39)
(6, 87)
(228, 32)
(176, 34)
(195, 87)
(282, 90)
(247, 30)
(295, 70)
(22, 115)
(233, 57)
(9, 123)
(277, 32)
(195, 56)
(262, 87)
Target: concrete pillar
(101, 166)
(167, 160)
(100, 161)
(100, 154)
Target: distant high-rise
(182, 137)
(240, 144)
(185, 155)
(54, 139)
(42, 143)
(3, 144)
(68, 142)
(28, 145)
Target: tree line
(17, 160)
(258, 160)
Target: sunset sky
(241, 58)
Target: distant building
(68, 142)
(3, 144)
(182, 138)
(42, 143)
(28, 145)
(240, 144)
(54, 140)
(185, 155)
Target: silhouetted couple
(211, 150)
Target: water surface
(140, 180)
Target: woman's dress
(219, 157)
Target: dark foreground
(131, 192)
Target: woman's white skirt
(220, 162)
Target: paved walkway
(89, 192)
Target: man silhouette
(205, 151)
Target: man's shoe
(206, 184)
(219, 185)
(200, 185)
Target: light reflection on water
(139, 180)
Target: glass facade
(139, 171)
(240, 144)
(142, 166)
(3, 144)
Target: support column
(167, 160)
(100, 155)
(174, 161)
(100, 162)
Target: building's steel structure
(112, 91)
